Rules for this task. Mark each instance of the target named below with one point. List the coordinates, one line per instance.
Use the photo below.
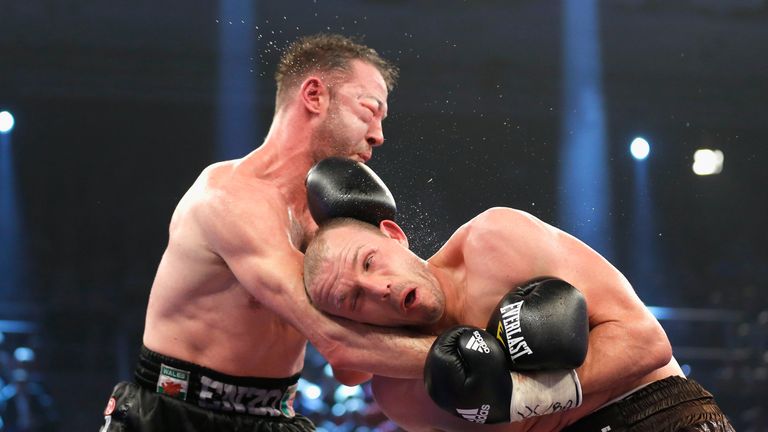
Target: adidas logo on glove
(477, 343)
(477, 415)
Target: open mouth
(410, 299)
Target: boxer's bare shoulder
(500, 240)
(498, 225)
(224, 188)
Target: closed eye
(372, 104)
(340, 301)
(367, 263)
(370, 114)
(373, 110)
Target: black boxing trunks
(173, 395)
(673, 404)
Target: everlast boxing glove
(338, 187)
(466, 375)
(542, 325)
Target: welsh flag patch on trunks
(173, 382)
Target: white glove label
(477, 415)
(516, 345)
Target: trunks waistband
(659, 396)
(214, 390)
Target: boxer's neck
(451, 278)
(285, 167)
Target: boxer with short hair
(228, 319)
(497, 362)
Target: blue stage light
(686, 369)
(328, 370)
(6, 122)
(584, 193)
(639, 148)
(354, 404)
(343, 392)
(338, 410)
(24, 354)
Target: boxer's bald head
(366, 273)
(318, 250)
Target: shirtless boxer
(228, 319)
(366, 274)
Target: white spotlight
(707, 162)
(309, 390)
(343, 392)
(639, 148)
(6, 122)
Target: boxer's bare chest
(483, 293)
(487, 281)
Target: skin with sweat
(372, 277)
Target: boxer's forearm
(392, 352)
(622, 352)
(345, 344)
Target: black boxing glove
(338, 187)
(466, 375)
(542, 325)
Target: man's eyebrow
(357, 253)
(326, 286)
(333, 297)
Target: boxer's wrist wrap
(541, 393)
(213, 390)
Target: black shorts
(172, 395)
(673, 404)
(139, 409)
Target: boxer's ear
(314, 94)
(392, 230)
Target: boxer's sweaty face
(368, 277)
(353, 124)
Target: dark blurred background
(118, 106)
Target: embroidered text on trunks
(220, 396)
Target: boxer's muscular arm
(351, 377)
(625, 340)
(406, 402)
(249, 234)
